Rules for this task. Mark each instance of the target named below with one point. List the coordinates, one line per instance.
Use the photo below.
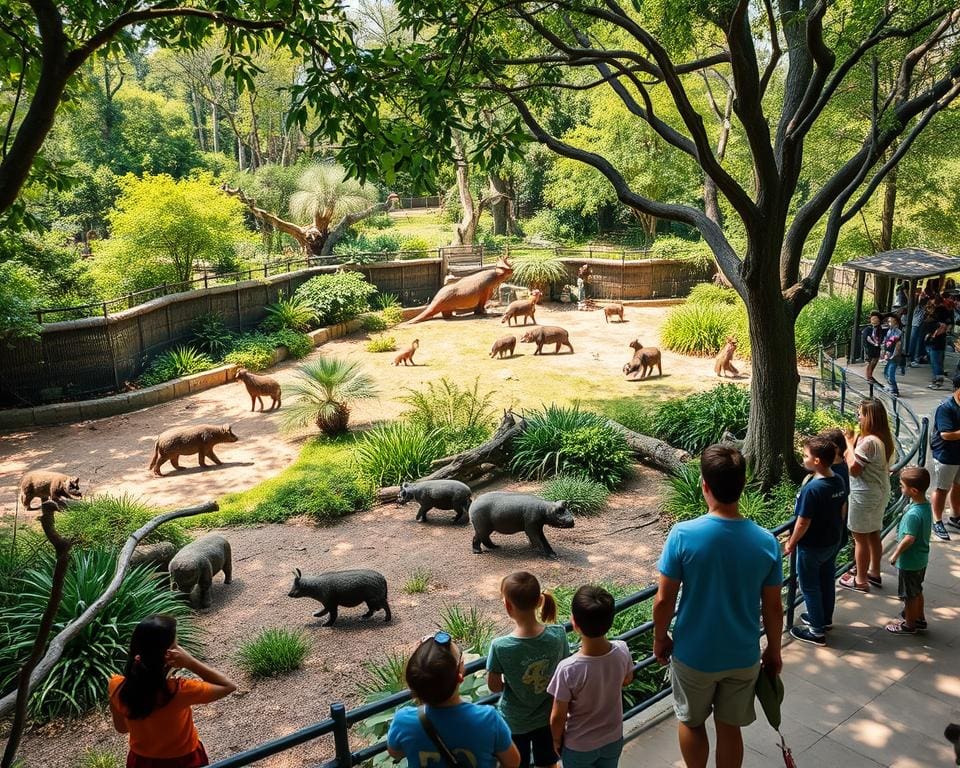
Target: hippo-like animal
(437, 494)
(184, 441)
(343, 588)
(193, 567)
(548, 334)
(501, 512)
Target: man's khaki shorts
(728, 694)
(945, 476)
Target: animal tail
(425, 315)
(156, 454)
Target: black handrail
(341, 719)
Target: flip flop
(900, 628)
(849, 581)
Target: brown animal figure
(184, 441)
(613, 310)
(644, 359)
(43, 484)
(259, 387)
(407, 354)
(523, 307)
(548, 334)
(505, 344)
(724, 362)
(469, 293)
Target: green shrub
(469, 628)
(698, 420)
(711, 293)
(419, 582)
(813, 422)
(564, 439)
(385, 242)
(318, 485)
(377, 221)
(99, 758)
(550, 225)
(18, 553)
(174, 363)
(381, 344)
(392, 453)
(415, 247)
(823, 322)
(107, 521)
(253, 351)
(538, 269)
(696, 329)
(385, 300)
(78, 680)
(211, 335)
(583, 495)
(273, 652)
(631, 412)
(297, 344)
(392, 315)
(460, 417)
(294, 313)
(338, 297)
(372, 322)
(383, 678)
(671, 247)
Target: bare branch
(352, 218)
(775, 52)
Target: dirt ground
(620, 545)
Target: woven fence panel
(77, 361)
(21, 373)
(620, 280)
(127, 353)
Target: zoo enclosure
(911, 435)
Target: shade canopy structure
(910, 264)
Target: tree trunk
(467, 228)
(198, 120)
(881, 283)
(215, 127)
(773, 388)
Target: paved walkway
(869, 699)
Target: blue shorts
(607, 756)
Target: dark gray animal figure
(158, 555)
(503, 512)
(184, 441)
(952, 734)
(548, 334)
(193, 567)
(504, 345)
(343, 588)
(437, 494)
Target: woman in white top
(868, 457)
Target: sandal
(900, 628)
(849, 581)
(876, 581)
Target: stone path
(869, 699)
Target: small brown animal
(408, 353)
(523, 308)
(259, 387)
(505, 344)
(185, 441)
(548, 334)
(43, 484)
(724, 362)
(644, 359)
(613, 310)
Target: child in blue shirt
(816, 538)
(521, 664)
(913, 551)
(476, 735)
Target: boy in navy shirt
(816, 538)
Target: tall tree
(513, 58)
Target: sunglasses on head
(443, 639)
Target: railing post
(924, 436)
(341, 735)
(104, 309)
(896, 416)
(205, 283)
(843, 393)
(791, 589)
(813, 394)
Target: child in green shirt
(521, 664)
(913, 551)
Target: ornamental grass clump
(469, 628)
(699, 420)
(381, 343)
(396, 452)
(107, 521)
(583, 495)
(294, 313)
(462, 417)
(273, 652)
(697, 328)
(174, 363)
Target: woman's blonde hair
(875, 423)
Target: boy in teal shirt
(913, 551)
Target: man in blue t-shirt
(945, 442)
(729, 568)
(816, 538)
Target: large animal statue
(43, 484)
(548, 334)
(724, 362)
(437, 494)
(523, 308)
(185, 441)
(468, 294)
(343, 588)
(501, 512)
(644, 359)
(192, 569)
(259, 387)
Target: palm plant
(538, 269)
(324, 194)
(324, 391)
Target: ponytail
(145, 686)
(548, 608)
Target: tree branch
(775, 52)
(352, 218)
(75, 627)
(295, 231)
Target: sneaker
(914, 364)
(940, 532)
(805, 618)
(935, 385)
(954, 522)
(920, 624)
(849, 581)
(805, 635)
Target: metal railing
(341, 719)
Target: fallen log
(496, 452)
(653, 452)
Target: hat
(769, 691)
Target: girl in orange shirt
(154, 707)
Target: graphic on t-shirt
(429, 758)
(536, 675)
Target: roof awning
(907, 263)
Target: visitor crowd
(561, 706)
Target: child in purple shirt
(587, 715)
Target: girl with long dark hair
(153, 706)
